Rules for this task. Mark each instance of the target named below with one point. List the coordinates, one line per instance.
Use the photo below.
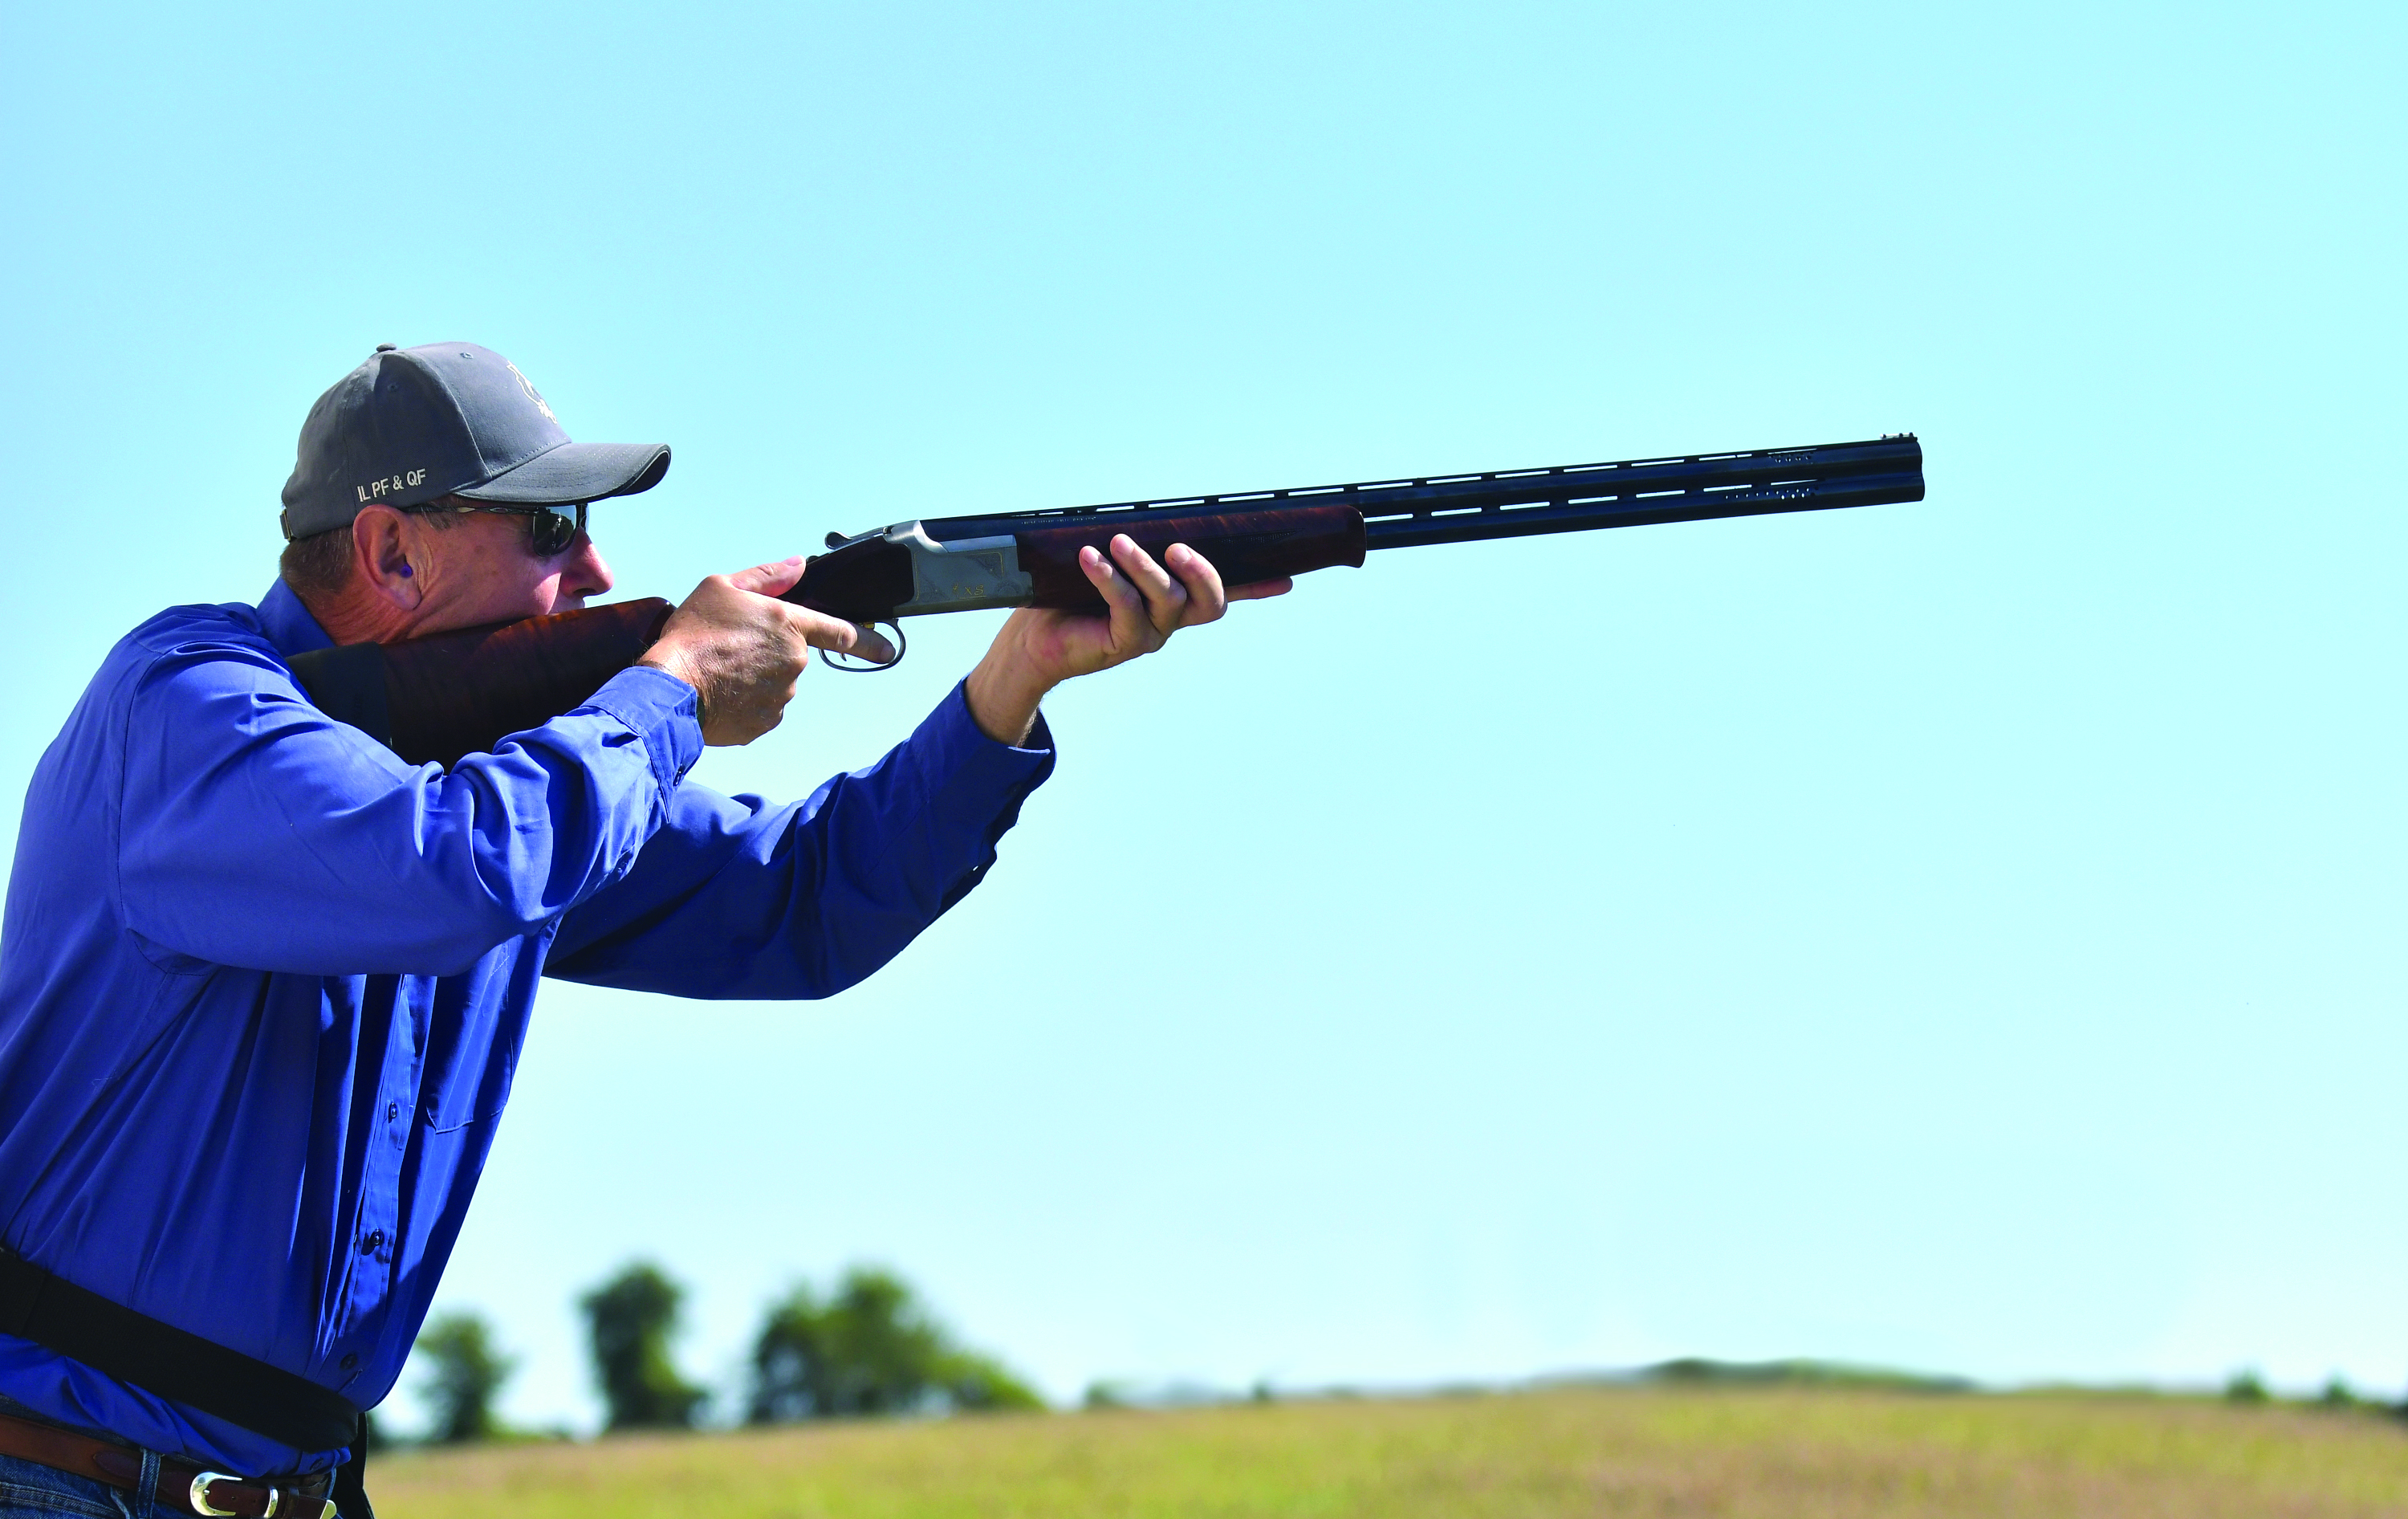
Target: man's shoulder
(198, 649)
(203, 623)
(200, 633)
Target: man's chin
(461, 622)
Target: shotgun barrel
(1030, 558)
(1516, 503)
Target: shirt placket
(375, 1235)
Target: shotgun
(437, 698)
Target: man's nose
(586, 574)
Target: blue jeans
(32, 1491)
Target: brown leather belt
(182, 1489)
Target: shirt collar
(288, 622)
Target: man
(263, 985)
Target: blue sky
(1963, 935)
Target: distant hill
(1697, 1371)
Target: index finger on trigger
(820, 631)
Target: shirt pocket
(474, 1028)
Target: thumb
(768, 579)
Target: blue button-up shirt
(263, 985)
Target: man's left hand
(1040, 648)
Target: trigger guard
(828, 656)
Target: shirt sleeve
(253, 830)
(736, 898)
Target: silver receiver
(962, 576)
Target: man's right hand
(742, 650)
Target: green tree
(870, 1348)
(975, 1384)
(465, 1375)
(789, 1361)
(632, 1317)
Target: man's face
(482, 570)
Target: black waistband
(175, 1364)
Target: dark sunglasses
(550, 529)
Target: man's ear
(382, 542)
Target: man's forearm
(1003, 694)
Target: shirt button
(351, 1363)
(392, 1111)
(368, 1246)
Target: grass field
(1533, 1455)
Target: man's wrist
(677, 666)
(1003, 696)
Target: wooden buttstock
(1244, 546)
(461, 693)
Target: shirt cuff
(971, 754)
(978, 783)
(662, 710)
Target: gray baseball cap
(448, 418)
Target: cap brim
(577, 472)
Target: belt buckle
(200, 1494)
(200, 1504)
